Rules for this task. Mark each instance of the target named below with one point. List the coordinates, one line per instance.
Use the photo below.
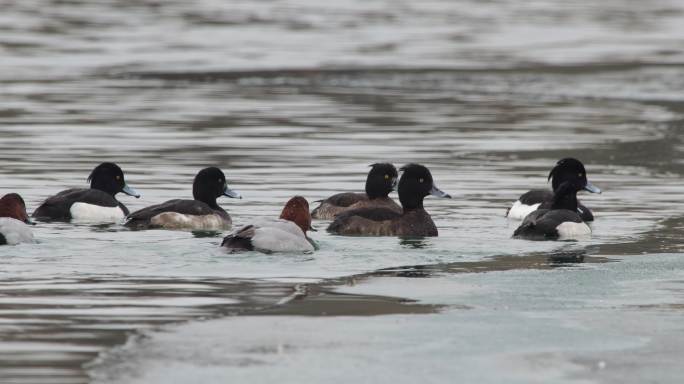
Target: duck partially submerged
(381, 180)
(286, 234)
(97, 204)
(201, 213)
(415, 184)
(14, 220)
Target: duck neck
(565, 197)
(411, 204)
(104, 187)
(375, 190)
(206, 198)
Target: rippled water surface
(299, 97)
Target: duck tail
(240, 240)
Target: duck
(14, 221)
(95, 204)
(561, 220)
(286, 234)
(381, 180)
(542, 198)
(202, 213)
(415, 184)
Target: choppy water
(298, 97)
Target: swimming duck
(288, 234)
(381, 180)
(97, 204)
(201, 213)
(13, 220)
(542, 198)
(561, 219)
(415, 184)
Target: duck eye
(386, 177)
(421, 180)
(580, 175)
(118, 177)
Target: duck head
(108, 177)
(209, 184)
(297, 210)
(415, 184)
(12, 205)
(570, 170)
(381, 180)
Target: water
(296, 97)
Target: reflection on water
(298, 97)
(419, 243)
(564, 258)
(202, 234)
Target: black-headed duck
(201, 213)
(381, 180)
(95, 204)
(415, 184)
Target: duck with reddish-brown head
(286, 234)
(14, 220)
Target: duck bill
(439, 193)
(130, 191)
(592, 188)
(231, 193)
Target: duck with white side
(541, 198)
(561, 220)
(98, 204)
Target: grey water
(299, 97)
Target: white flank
(519, 210)
(174, 220)
(280, 236)
(95, 213)
(572, 230)
(15, 231)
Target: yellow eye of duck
(580, 175)
(118, 177)
(386, 177)
(421, 180)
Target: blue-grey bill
(439, 193)
(592, 188)
(231, 193)
(130, 191)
